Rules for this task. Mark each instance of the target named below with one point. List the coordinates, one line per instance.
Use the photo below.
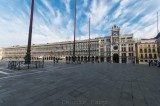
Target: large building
(147, 50)
(115, 48)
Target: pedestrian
(54, 60)
(149, 63)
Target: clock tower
(115, 46)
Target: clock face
(115, 47)
(115, 33)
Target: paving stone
(82, 85)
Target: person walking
(54, 60)
(149, 63)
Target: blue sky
(54, 19)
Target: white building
(115, 48)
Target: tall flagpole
(74, 31)
(89, 45)
(157, 24)
(28, 54)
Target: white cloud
(50, 8)
(67, 5)
(85, 3)
(56, 25)
(98, 11)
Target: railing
(18, 64)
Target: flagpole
(28, 54)
(157, 24)
(89, 45)
(74, 31)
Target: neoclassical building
(114, 48)
(147, 50)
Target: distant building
(147, 50)
(49, 51)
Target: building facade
(147, 50)
(115, 48)
(1, 53)
(158, 44)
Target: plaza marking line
(1, 72)
(35, 73)
(5, 69)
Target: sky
(54, 19)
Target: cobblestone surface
(87, 84)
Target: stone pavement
(87, 84)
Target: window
(123, 54)
(122, 48)
(153, 45)
(140, 50)
(153, 50)
(131, 48)
(130, 54)
(155, 56)
(145, 55)
(145, 50)
(150, 56)
(141, 55)
(149, 50)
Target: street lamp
(28, 54)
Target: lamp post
(28, 54)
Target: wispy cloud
(54, 19)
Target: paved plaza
(89, 84)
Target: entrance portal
(115, 58)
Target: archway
(115, 58)
(124, 59)
(102, 59)
(96, 58)
(78, 58)
(85, 59)
(92, 59)
(69, 58)
(81, 58)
